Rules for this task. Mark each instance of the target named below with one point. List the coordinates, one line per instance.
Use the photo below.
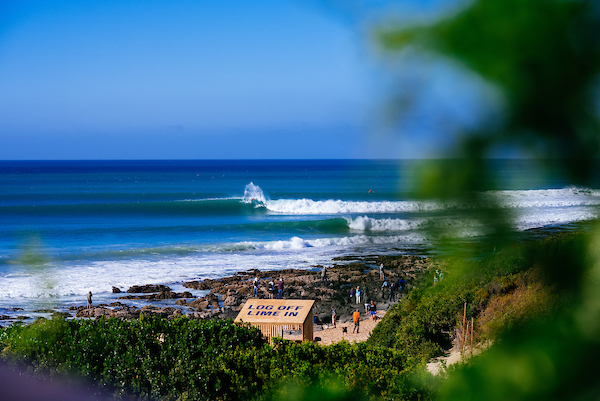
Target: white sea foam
(365, 223)
(253, 193)
(547, 198)
(75, 280)
(312, 207)
(520, 221)
(551, 217)
(341, 242)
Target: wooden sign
(275, 311)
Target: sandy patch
(330, 335)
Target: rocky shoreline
(227, 295)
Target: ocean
(69, 227)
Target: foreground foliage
(217, 360)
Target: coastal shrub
(356, 371)
(420, 325)
(150, 357)
(503, 289)
(154, 358)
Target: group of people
(272, 287)
(360, 294)
(372, 309)
(357, 293)
(393, 288)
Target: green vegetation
(154, 358)
(214, 360)
(501, 291)
(149, 357)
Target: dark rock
(159, 296)
(232, 300)
(163, 312)
(201, 285)
(116, 290)
(211, 300)
(127, 314)
(148, 288)
(163, 295)
(94, 312)
(198, 304)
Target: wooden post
(472, 324)
(463, 329)
(467, 336)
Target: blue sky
(187, 80)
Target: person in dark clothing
(373, 310)
(401, 284)
(280, 288)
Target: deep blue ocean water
(67, 227)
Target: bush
(197, 360)
(150, 357)
(504, 288)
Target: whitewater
(73, 227)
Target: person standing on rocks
(392, 292)
(401, 284)
(358, 295)
(89, 299)
(333, 316)
(271, 289)
(356, 318)
(323, 274)
(383, 287)
(280, 288)
(381, 272)
(255, 289)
